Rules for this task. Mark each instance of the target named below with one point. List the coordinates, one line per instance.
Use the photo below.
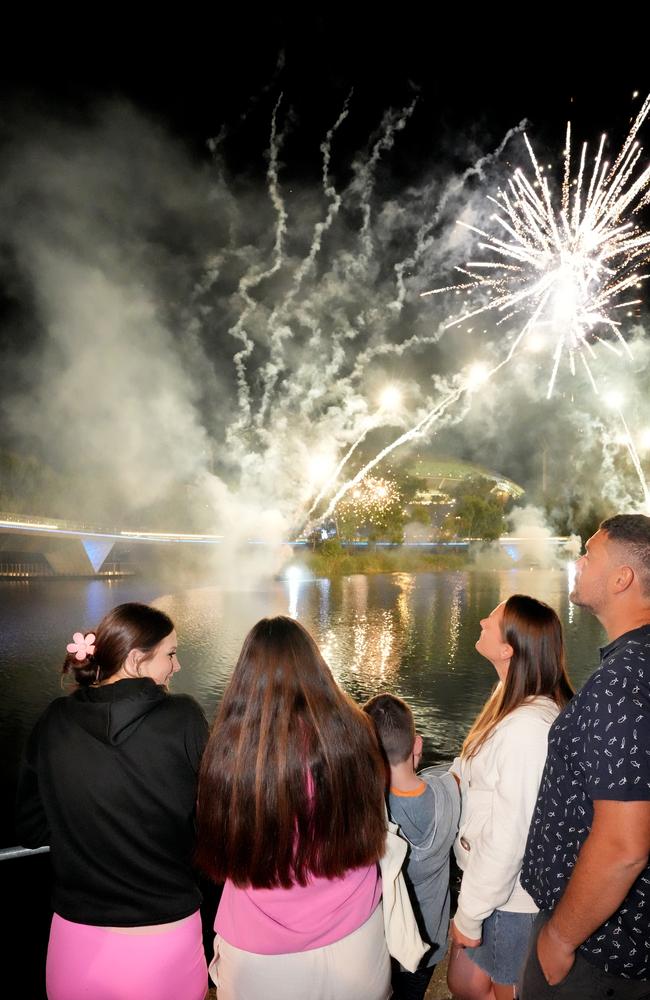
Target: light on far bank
(535, 342)
(477, 375)
(320, 469)
(390, 398)
(614, 399)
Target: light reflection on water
(571, 577)
(454, 622)
(410, 634)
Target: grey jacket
(429, 825)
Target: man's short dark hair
(395, 727)
(633, 532)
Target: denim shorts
(504, 947)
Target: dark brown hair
(126, 627)
(537, 666)
(633, 532)
(292, 779)
(395, 727)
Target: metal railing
(20, 522)
(13, 517)
(9, 853)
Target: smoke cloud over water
(211, 345)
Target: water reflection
(454, 623)
(323, 587)
(570, 580)
(364, 643)
(294, 579)
(540, 583)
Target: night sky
(190, 77)
(479, 72)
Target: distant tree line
(379, 510)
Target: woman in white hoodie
(499, 771)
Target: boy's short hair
(395, 727)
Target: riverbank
(335, 561)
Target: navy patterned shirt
(598, 748)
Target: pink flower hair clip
(82, 646)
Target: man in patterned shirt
(586, 863)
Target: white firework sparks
(568, 263)
(477, 375)
(390, 401)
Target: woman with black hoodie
(109, 782)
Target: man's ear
(417, 746)
(622, 579)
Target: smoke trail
(252, 280)
(424, 238)
(274, 366)
(394, 121)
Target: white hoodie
(499, 789)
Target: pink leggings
(95, 963)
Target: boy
(426, 806)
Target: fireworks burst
(568, 263)
(477, 375)
(390, 401)
(371, 501)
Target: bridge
(42, 546)
(72, 549)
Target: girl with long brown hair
(499, 770)
(291, 818)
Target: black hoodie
(109, 781)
